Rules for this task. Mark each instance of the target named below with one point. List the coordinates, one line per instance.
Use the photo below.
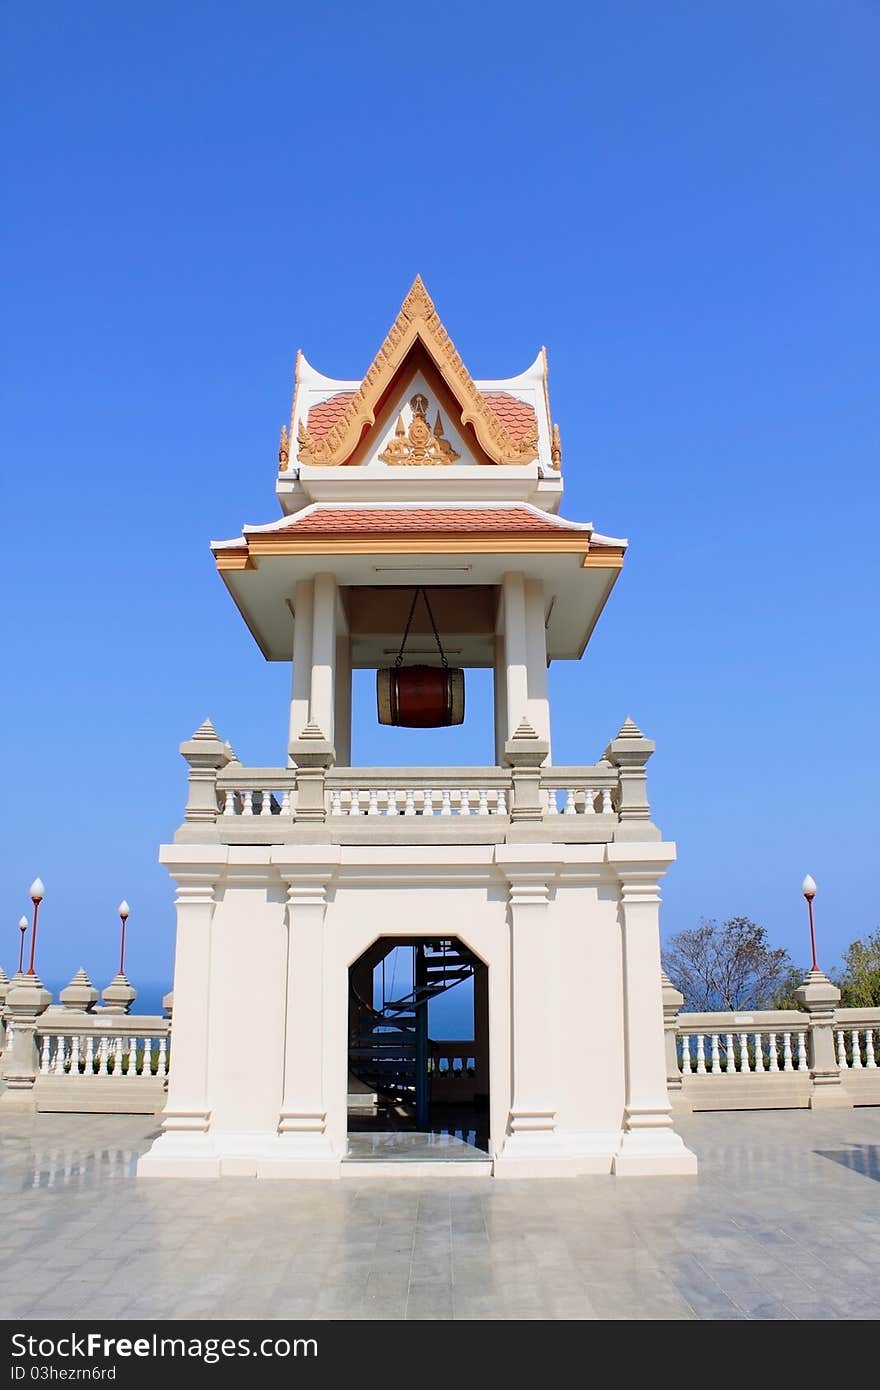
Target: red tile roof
(421, 520)
(517, 417)
(326, 414)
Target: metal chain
(399, 661)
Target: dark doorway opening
(418, 1051)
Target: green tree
(728, 965)
(859, 983)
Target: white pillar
(536, 664)
(502, 733)
(524, 654)
(322, 697)
(649, 1145)
(185, 1148)
(516, 655)
(303, 604)
(342, 713)
(304, 1149)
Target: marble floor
(783, 1222)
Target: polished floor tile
(782, 1223)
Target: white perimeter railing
(764, 1050)
(100, 1065)
(762, 1059)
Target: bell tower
(419, 538)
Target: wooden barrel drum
(420, 697)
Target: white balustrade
(580, 801)
(759, 1051)
(111, 1055)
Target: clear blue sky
(680, 200)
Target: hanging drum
(420, 697)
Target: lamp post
(37, 892)
(808, 888)
(22, 927)
(124, 912)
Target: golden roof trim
(418, 319)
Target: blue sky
(680, 200)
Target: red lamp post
(124, 913)
(808, 888)
(22, 927)
(37, 892)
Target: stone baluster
(207, 755)
(162, 1063)
(373, 807)
(787, 1063)
(870, 1059)
(841, 1049)
(819, 998)
(716, 1056)
(247, 802)
(570, 803)
(59, 1055)
(428, 803)
(445, 802)
(74, 1055)
(410, 803)
(802, 1051)
(701, 1055)
(265, 803)
(285, 802)
(774, 1059)
(685, 1054)
(501, 807)
(730, 1057)
(90, 1055)
(760, 1059)
(744, 1063)
(856, 1049)
(45, 1064)
(336, 802)
(103, 1056)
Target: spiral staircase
(388, 1046)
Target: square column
(303, 609)
(342, 736)
(322, 695)
(185, 1148)
(303, 1148)
(649, 1145)
(524, 655)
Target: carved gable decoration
(419, 444)
(417, 321)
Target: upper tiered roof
(419, 473)
(418, 407)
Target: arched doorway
(418, 1052)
